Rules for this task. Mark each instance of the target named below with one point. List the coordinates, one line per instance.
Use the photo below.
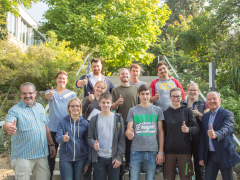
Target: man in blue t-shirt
(58, 99)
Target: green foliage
(5, 142)
(3, 29)
(121, 30)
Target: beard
(97, 72)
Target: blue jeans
(104, 166)
(71, 170)
(137, 158)
(213, 166)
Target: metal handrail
(202, 96)
(88, 69)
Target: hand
(91, 97)
(12, 128)
(120, 100)
(116, 163)
(184, 128)
(96, 146)
(66, 137)
(52, 151)
(160, 158)
(83, 82)
(201, 163)
(157, 96)
(196, 112)
(211, 133)
(130, 134)
(85, 169)
(51, 93)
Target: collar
(215, 111)
(25, 105)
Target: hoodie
(77, 147)
(163, 88)
(176, 141)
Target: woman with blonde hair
(72, 134)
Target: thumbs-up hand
(12, 128)
(91, 97)
(195, 111)
(211, 133)
(120, 100)
(157, 96)
(184, 128)
(50, 94)
(130, 133)
(66, 137)
(96, 146)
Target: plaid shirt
(30, 140)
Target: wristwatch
(52, 145)
(200, 114)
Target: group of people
(148, 125)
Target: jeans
(71, 170)
(137, 158)
(104, 166)
(213, 166)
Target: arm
(152, 86)
(193, 125)
(117, 101)
(10, 128)
(85, 138)
(111, 86)
(82, 81)
(85, 104)
(91, 136)
(202, 143)
(129, 132)
(160, 156)
(50, 142)
(121, 142)
(178, 84)
(60, 133)
(227, 127)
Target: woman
(72, 134)
(198, 107)
(90, 102)
(178, 125)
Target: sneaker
(126, 168)
(158, 169)
(143, 170)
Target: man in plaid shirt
(26, 123)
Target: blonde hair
(135, 66)
(103, 82)
(192, 84)
(71, 100)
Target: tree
(121, 30)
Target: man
(88, 81)
(106, 138)
(135, 71)
(161, 87)
(125, 97)
(144, 124)
(58, 100)
(26, 123)
(161, 90)
(217, 149)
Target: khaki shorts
(25, 167)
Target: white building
(22, 30)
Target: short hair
(105, 96)
(217, 93)
(62, 72)
(144, 87)
(160, 64)
(135, 66)
(95, 60)
(122, 70)
(175, 89)
(71, 100)
(28, 84)
(192, 84)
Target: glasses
(176, 97)
(30, 93)
(73, 106)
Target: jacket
(224, 144)
(176, 141)
(77, 147)
(118, 144)
(200, 106)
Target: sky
(37, 10)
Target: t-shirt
(138, 84)
(145, 127)
(58, 107)
(130, 96)
(105, 135)
(94, 79)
